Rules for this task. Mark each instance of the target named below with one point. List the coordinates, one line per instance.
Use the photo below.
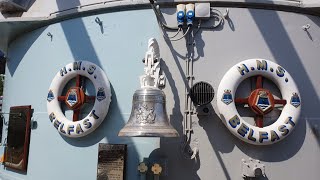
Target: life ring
(261, 101)
(75, 98)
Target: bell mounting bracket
(152, 76)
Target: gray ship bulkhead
(118, 47)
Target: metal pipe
(190, 60)
(186, 99)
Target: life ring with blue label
(261, 101)
(76, 97)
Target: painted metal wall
(249, 33)
(34, 61)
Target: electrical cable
(215, 14)
(159, 18)
(170, 37)
(162, 29)
(161, 24)
(188, 30)
(219, 15)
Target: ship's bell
(148, 115)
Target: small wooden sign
(17, 150)
(111, 161)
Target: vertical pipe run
(186, 99)
(190, 60)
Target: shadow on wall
(218, 136)
(82, 48)
(206, 26)
(315, 20)
(79, 41)
(188, 166)
(284, 52)
(23, 49)
(220, 140)
(167, 145)
(108, 129)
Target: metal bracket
(152, 77)
(98, 21)
(252, 168)
(33, 123)
(306, 27)
(50, 35)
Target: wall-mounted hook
(98, 21)
(306, 27)
(226, 14)
(50, 35)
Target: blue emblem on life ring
(295, 100)
(101, 95)
(263, 101)
(72, 98)
(227, 97)
(50, 96)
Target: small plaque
(17, 150)
(111, 161)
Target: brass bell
(148, 115)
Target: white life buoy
(261, 100)
(75, 97)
